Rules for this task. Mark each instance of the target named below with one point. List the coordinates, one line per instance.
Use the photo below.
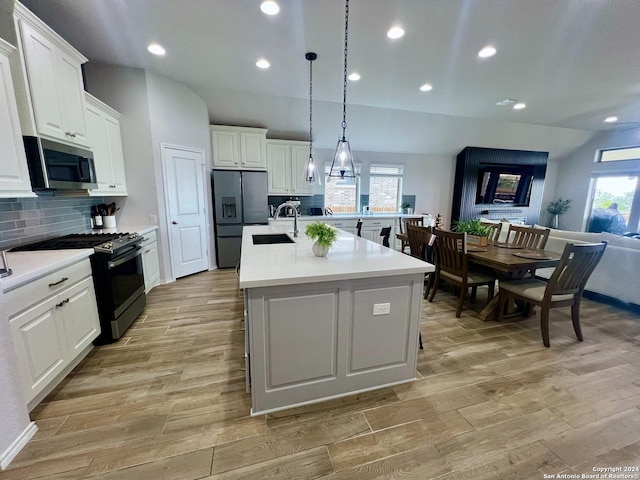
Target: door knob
(174, 222)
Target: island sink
(269, 239)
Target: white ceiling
(573, 62)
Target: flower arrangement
(559, 206)
(322, 233)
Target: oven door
(126, 279)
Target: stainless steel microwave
(54, 165)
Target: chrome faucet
(295, 216)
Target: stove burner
(74, 240)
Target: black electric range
(118, 277)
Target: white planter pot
(319, 250)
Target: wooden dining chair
(528, 237)
(494, 234)
(452, 267)
(419, 239)
(564, 288)
(404, 222)
(359, 227)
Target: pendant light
(311, 173)
(342, 164)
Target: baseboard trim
(18, 444)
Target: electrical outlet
(381, 308)
(153, 219)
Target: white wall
(384, 130)
(178, 117)
(429, 177)
(154, 110)
(125, 89)
(574, 173)
(14, 416)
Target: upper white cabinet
(286, 161)
(238, 148)
(14, 174)
(48, 82)
(103, 133)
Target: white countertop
(294, 263)
(353, 216)
(28, 266)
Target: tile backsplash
(26, 220)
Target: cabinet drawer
(22, 297)
(149, 238)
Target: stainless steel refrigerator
(239, 199)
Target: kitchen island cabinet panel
(316, 342)
(388, 330)
(301, 345)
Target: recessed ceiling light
(262, 63)
(354, 77)
(519, 106)
(487, 52)
(611, 119)
(506, 102)
(395, 33)
(156, 49)
(269, 7)
(427, 87)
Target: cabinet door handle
(64, 279)
(58, 305)
(68, 134)
(147, 251)
(174, 222)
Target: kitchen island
(318, 328)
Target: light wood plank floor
(168, 402)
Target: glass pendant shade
(311, 173)
(342, 166)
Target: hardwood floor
(168, 402)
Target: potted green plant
(406, 208)
(477, 234)
(557, 208)
(324, 236)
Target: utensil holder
(108, 221)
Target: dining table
(509, 262)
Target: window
(618, 154)
(341, 196)
(385, 188)
(612, 202)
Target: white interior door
(185, 196)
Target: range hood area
(54, 165)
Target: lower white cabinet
(150, 261)
(55, 330)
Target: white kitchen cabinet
(48, 81)
(105, 140)
(14, 174)
(286, 161)
(150, 261)
(238, 148)
(53, 321)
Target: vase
(319, 250)
(477, 241)
(555, 221)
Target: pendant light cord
(310, 108)
(344, 85)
